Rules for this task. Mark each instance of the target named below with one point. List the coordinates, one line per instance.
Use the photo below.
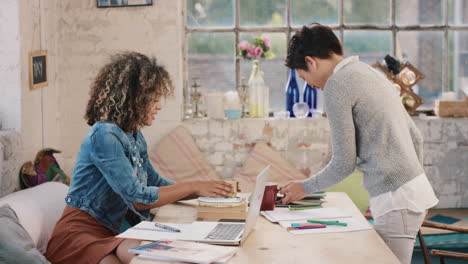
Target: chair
(442, 254)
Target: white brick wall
(226, 144)
(10, 87)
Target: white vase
(258, 93)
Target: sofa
(27, 217)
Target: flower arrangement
(259, 49)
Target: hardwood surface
(270, 243)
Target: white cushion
(38, 210)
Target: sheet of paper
(146, 230)
(284, 214)
(353, 225)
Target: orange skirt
(79, 238)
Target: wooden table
(270, 243)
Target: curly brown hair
(125, 89)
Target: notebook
(220, 233)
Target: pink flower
(251, 52)
(243, 45)
(258, 52)
(266, 41)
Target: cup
(214, 105)
(269, 196)
(232, 113)
(234, 184)
(284, 114)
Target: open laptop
(233, 233)
(221, 233)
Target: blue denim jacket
(111, 172)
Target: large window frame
(446, 28)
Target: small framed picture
(38, 69)
(120, 3)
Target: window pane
(420, 12)
(425, 51)
(369, 45)
(458, 12)
(304, 12)
(275, 73)
(211, 59)
(207, 13)
(262, 12)
(459, 62)
(367, 12)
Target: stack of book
(311, 201)
(215, 209)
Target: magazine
(175, 250)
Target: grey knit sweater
(370, 129)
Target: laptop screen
(255, 202)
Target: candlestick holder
(195, 98)
(242, 90)
(403, 76)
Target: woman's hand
(292, 191)
(213, 188)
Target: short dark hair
(314, 40)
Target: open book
(175, 250)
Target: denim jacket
(111, 172)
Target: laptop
(220, 233)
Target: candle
(231, 101)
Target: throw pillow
(281, 170)
(178, 158)
(16, 246)
(38, 210)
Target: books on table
(176, 250)
(219, 202)
(221, 208)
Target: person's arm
(154, 179)
(416, 137)
(343, 161)
(184, 190)
(109, 156)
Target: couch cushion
(178, 158)
(38, 210)
(16, 246)
(262, 155)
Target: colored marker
(327, 222)
(305, 224)
(306, 227)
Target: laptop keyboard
(225, 231)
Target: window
(431, 34)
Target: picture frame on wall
(122, 3)
(38, 69)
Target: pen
(327, 222)
(166, 227)
(306, 227)
(304, 224)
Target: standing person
(113, 174)
(370, 127)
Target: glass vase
(258, 92)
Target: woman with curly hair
(113, 176)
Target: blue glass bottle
(292, 92)
(310, 97)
